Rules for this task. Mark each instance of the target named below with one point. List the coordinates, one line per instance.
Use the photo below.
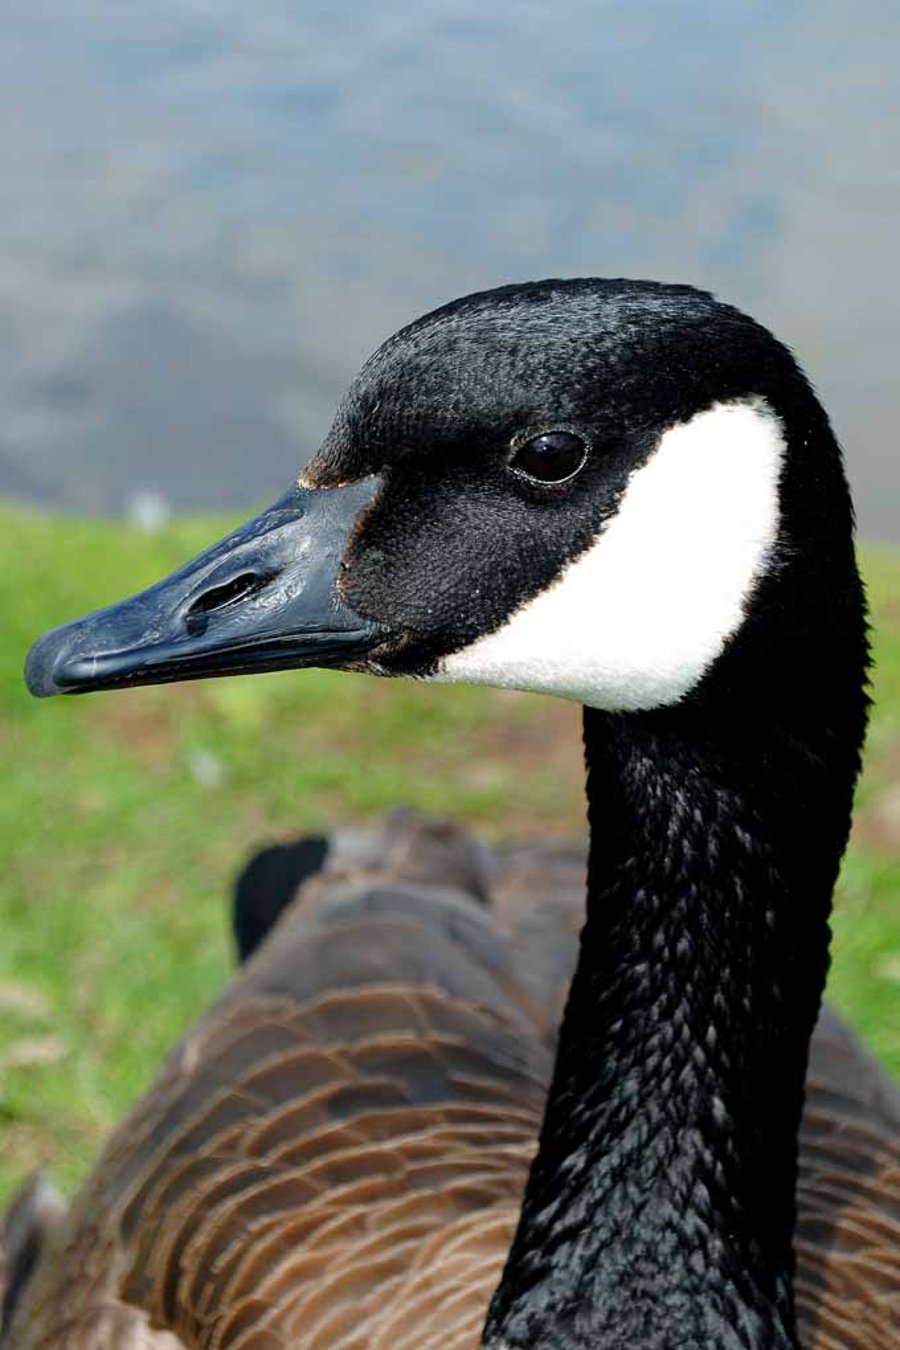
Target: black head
(588, 487)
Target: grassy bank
(124, 817)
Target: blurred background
(211, 212)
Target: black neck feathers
(660, 1209)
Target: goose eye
(551, 457)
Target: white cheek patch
(636, 620)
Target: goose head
(594, 489)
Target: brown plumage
(334, 1156)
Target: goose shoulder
(848, 1225)
(335, 1154)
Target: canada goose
(626, 494)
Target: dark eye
(551, 457)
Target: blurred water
(212, 210)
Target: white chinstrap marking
(637, 619)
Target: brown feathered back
(334, 1156)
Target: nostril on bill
(221, 597)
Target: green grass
(124, 817)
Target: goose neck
(660, 1210)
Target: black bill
(264, 598)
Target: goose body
(626, 494)
(335, 1155)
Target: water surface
(211, 211)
